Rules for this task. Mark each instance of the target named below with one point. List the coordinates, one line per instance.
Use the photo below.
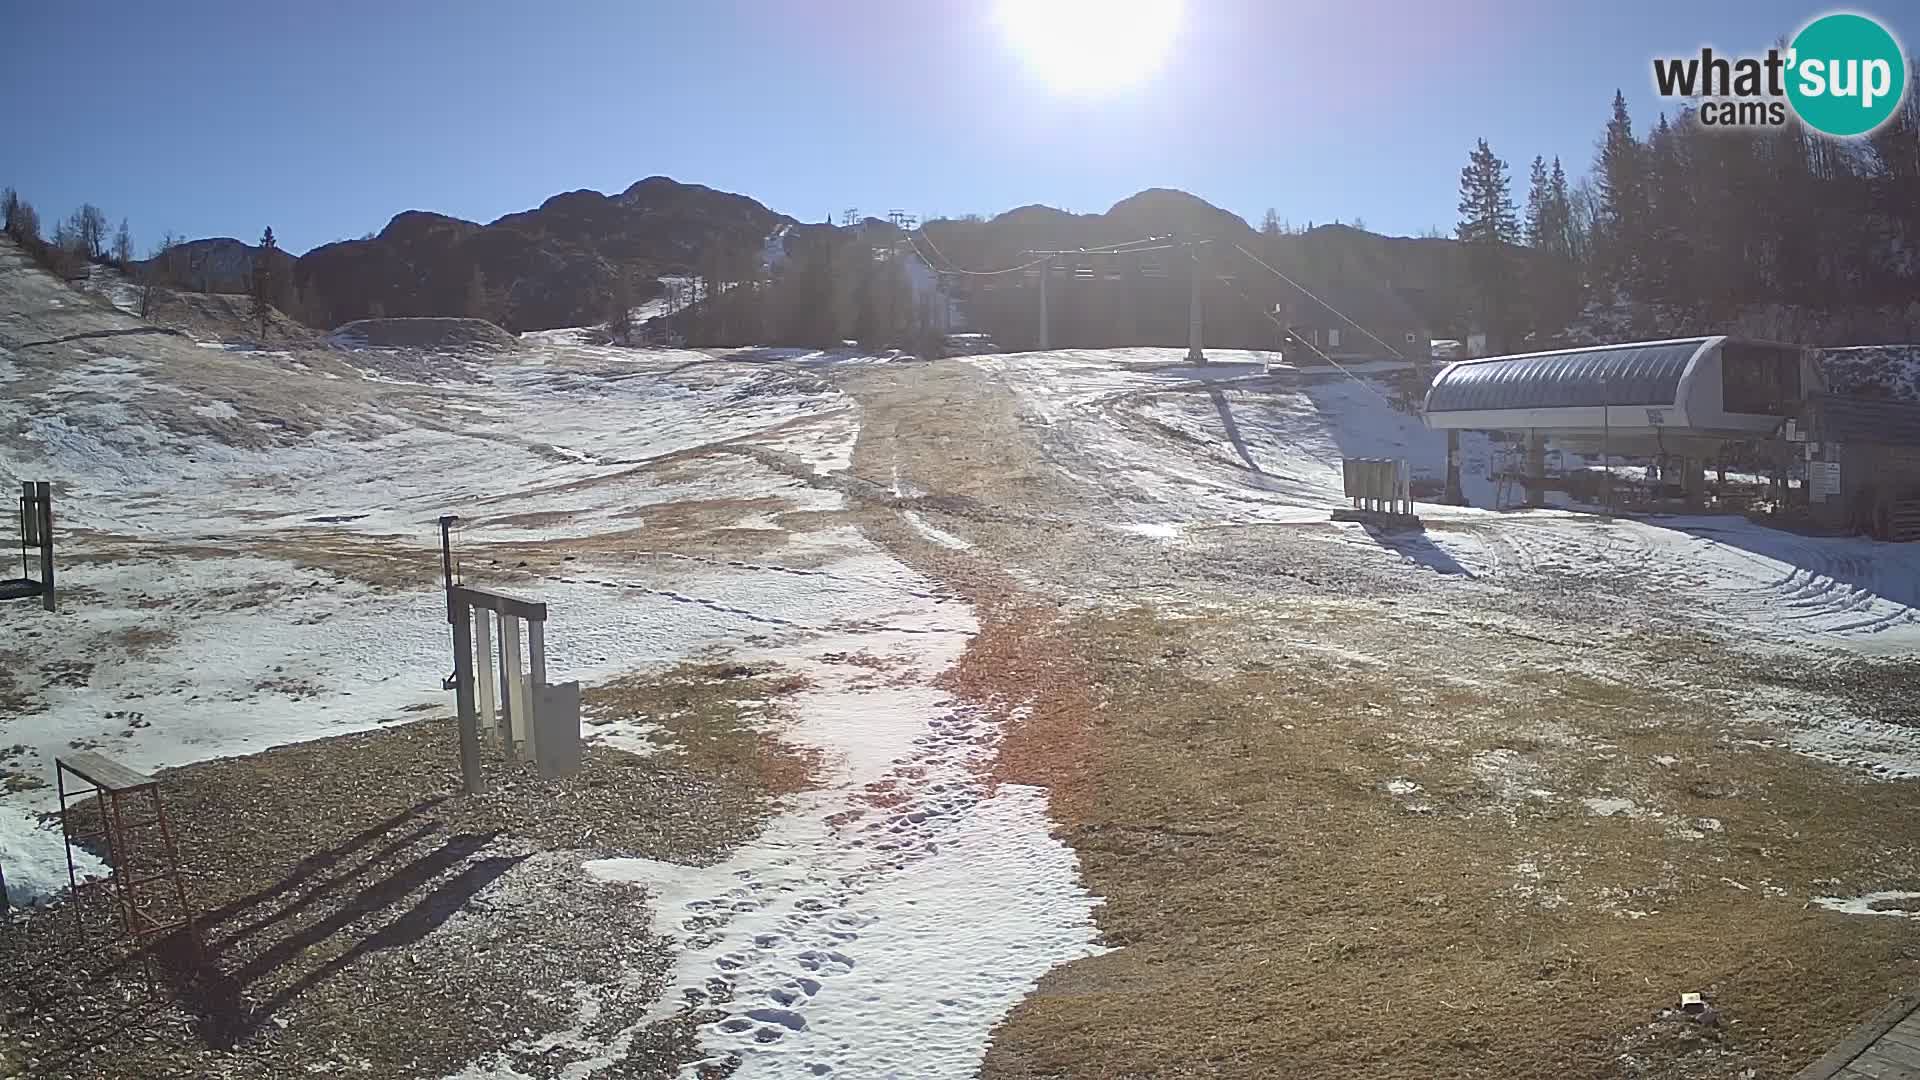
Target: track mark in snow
(869, 935)
(758, 617)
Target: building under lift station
(1691, 402)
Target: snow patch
(1874, 903)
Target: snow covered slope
(249, 558)
(1174, 448)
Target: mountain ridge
(560, 263)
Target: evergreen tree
(619, 307)
(1489, 227)
(1565, 233)
(263, 284)
(1621, 213)
(22, 222)
(1664, 258)
(1539, 196)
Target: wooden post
(470, 779)
(506, 693)
(513, 691)
(1456, 496)
(536, 686)
(483, 676)
(43, 512)
(537, 652)
(1045, 269)
(46, 543)
(29, 515)
(1194, 355)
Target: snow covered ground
(221, 598)
(236, 581)
(1176, 448)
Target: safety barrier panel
(1378, 485)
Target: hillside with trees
(1774, 232)
(848, 283)
(1771, 232)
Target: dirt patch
(15, 698)
(141, 641)
(716, 717)
(1436, 880)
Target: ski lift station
(1690, 402)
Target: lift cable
(1290, 335)
(1322, 303)
(1125, 248)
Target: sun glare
(1091, 47)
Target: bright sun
(1090, 46)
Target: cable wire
(1124, 248)
(1322, 303)
(952, 269)
(1289, 334)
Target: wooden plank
(1892, 1053)
(500, 603)
(1873, 1064)
(43, 499)
(1840, 1057)
(1906, 1034)
(483, 673)
(102, 772)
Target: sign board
(1656, 417)
(1794, 434)
(1823, 480)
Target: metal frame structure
(110, 784)
(36, 531)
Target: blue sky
(326, 119)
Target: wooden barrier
(535, 722)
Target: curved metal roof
(1646, 373)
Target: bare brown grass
(1279, 912)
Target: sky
(323, 120)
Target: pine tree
(1566, 236)
(1539, 196)
(1665, 258)
(1489, 227)
(263, 284)
(1622, 211)
(22, 222)
(619, 307)
(1487, 214)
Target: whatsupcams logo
(1842, 75)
